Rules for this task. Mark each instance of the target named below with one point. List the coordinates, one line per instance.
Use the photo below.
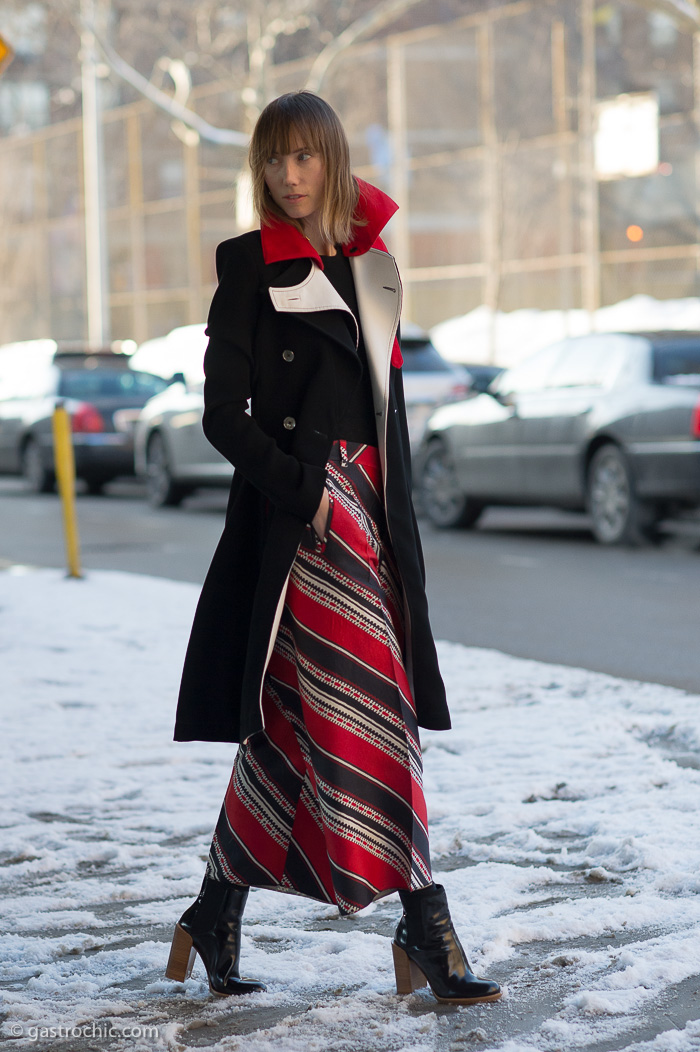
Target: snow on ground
(505, 338)
(565, 826)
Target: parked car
(170, 450)
(609, 423)
(481, 376)
(428, 379)
(174, 457)
(102, 394)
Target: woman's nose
(290, 173)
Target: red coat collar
(281, 240)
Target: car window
(483, 374)
(677, 363)
(589, 361)
(420, 356)
(109, 383)
(530, 375)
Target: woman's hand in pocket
(320, 519)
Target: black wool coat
(280, 335)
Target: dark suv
(100, 392)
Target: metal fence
(482, 129)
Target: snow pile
(564, 819)
(483, 335)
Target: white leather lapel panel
(314, 293)
(378, 290)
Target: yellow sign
(6, 55)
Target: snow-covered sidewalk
(564, 818)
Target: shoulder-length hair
(301, 115)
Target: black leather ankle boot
(426, 950)
(211, 927)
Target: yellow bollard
(64, 462)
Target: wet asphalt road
(529, 582)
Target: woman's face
(296, 180)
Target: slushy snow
(506, 337)
(565, 826)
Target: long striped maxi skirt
(327, 800)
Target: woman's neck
(313, 234)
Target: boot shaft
(218, 904)
(426, 915)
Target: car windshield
(677, 363)
(109, 383)
(419, 356)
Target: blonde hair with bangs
(301, 115)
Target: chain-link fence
(483, 129)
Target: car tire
(163, 491)
(617, 514)
(39, 478)
(441, 498)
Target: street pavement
(529, 582)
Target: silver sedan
(170, 449)
(608, 423)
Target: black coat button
(288, 355)
(290, 423)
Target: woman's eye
(304, 156)
(272, 160)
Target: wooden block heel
(409, 977)
(182, 955)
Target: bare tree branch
(263, 24)
(370, 22)
(221, 136)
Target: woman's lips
(294, 197)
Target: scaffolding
(483, 130)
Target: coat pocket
(316, 543)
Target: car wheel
(163, 491)
(618, 516)
(39, 479)
(442, 500)
(95, 487)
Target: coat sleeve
(290, 484)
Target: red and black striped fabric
(327, 800)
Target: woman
(311, 644)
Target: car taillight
(695, 422)
(458, 392)
(86, 418)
